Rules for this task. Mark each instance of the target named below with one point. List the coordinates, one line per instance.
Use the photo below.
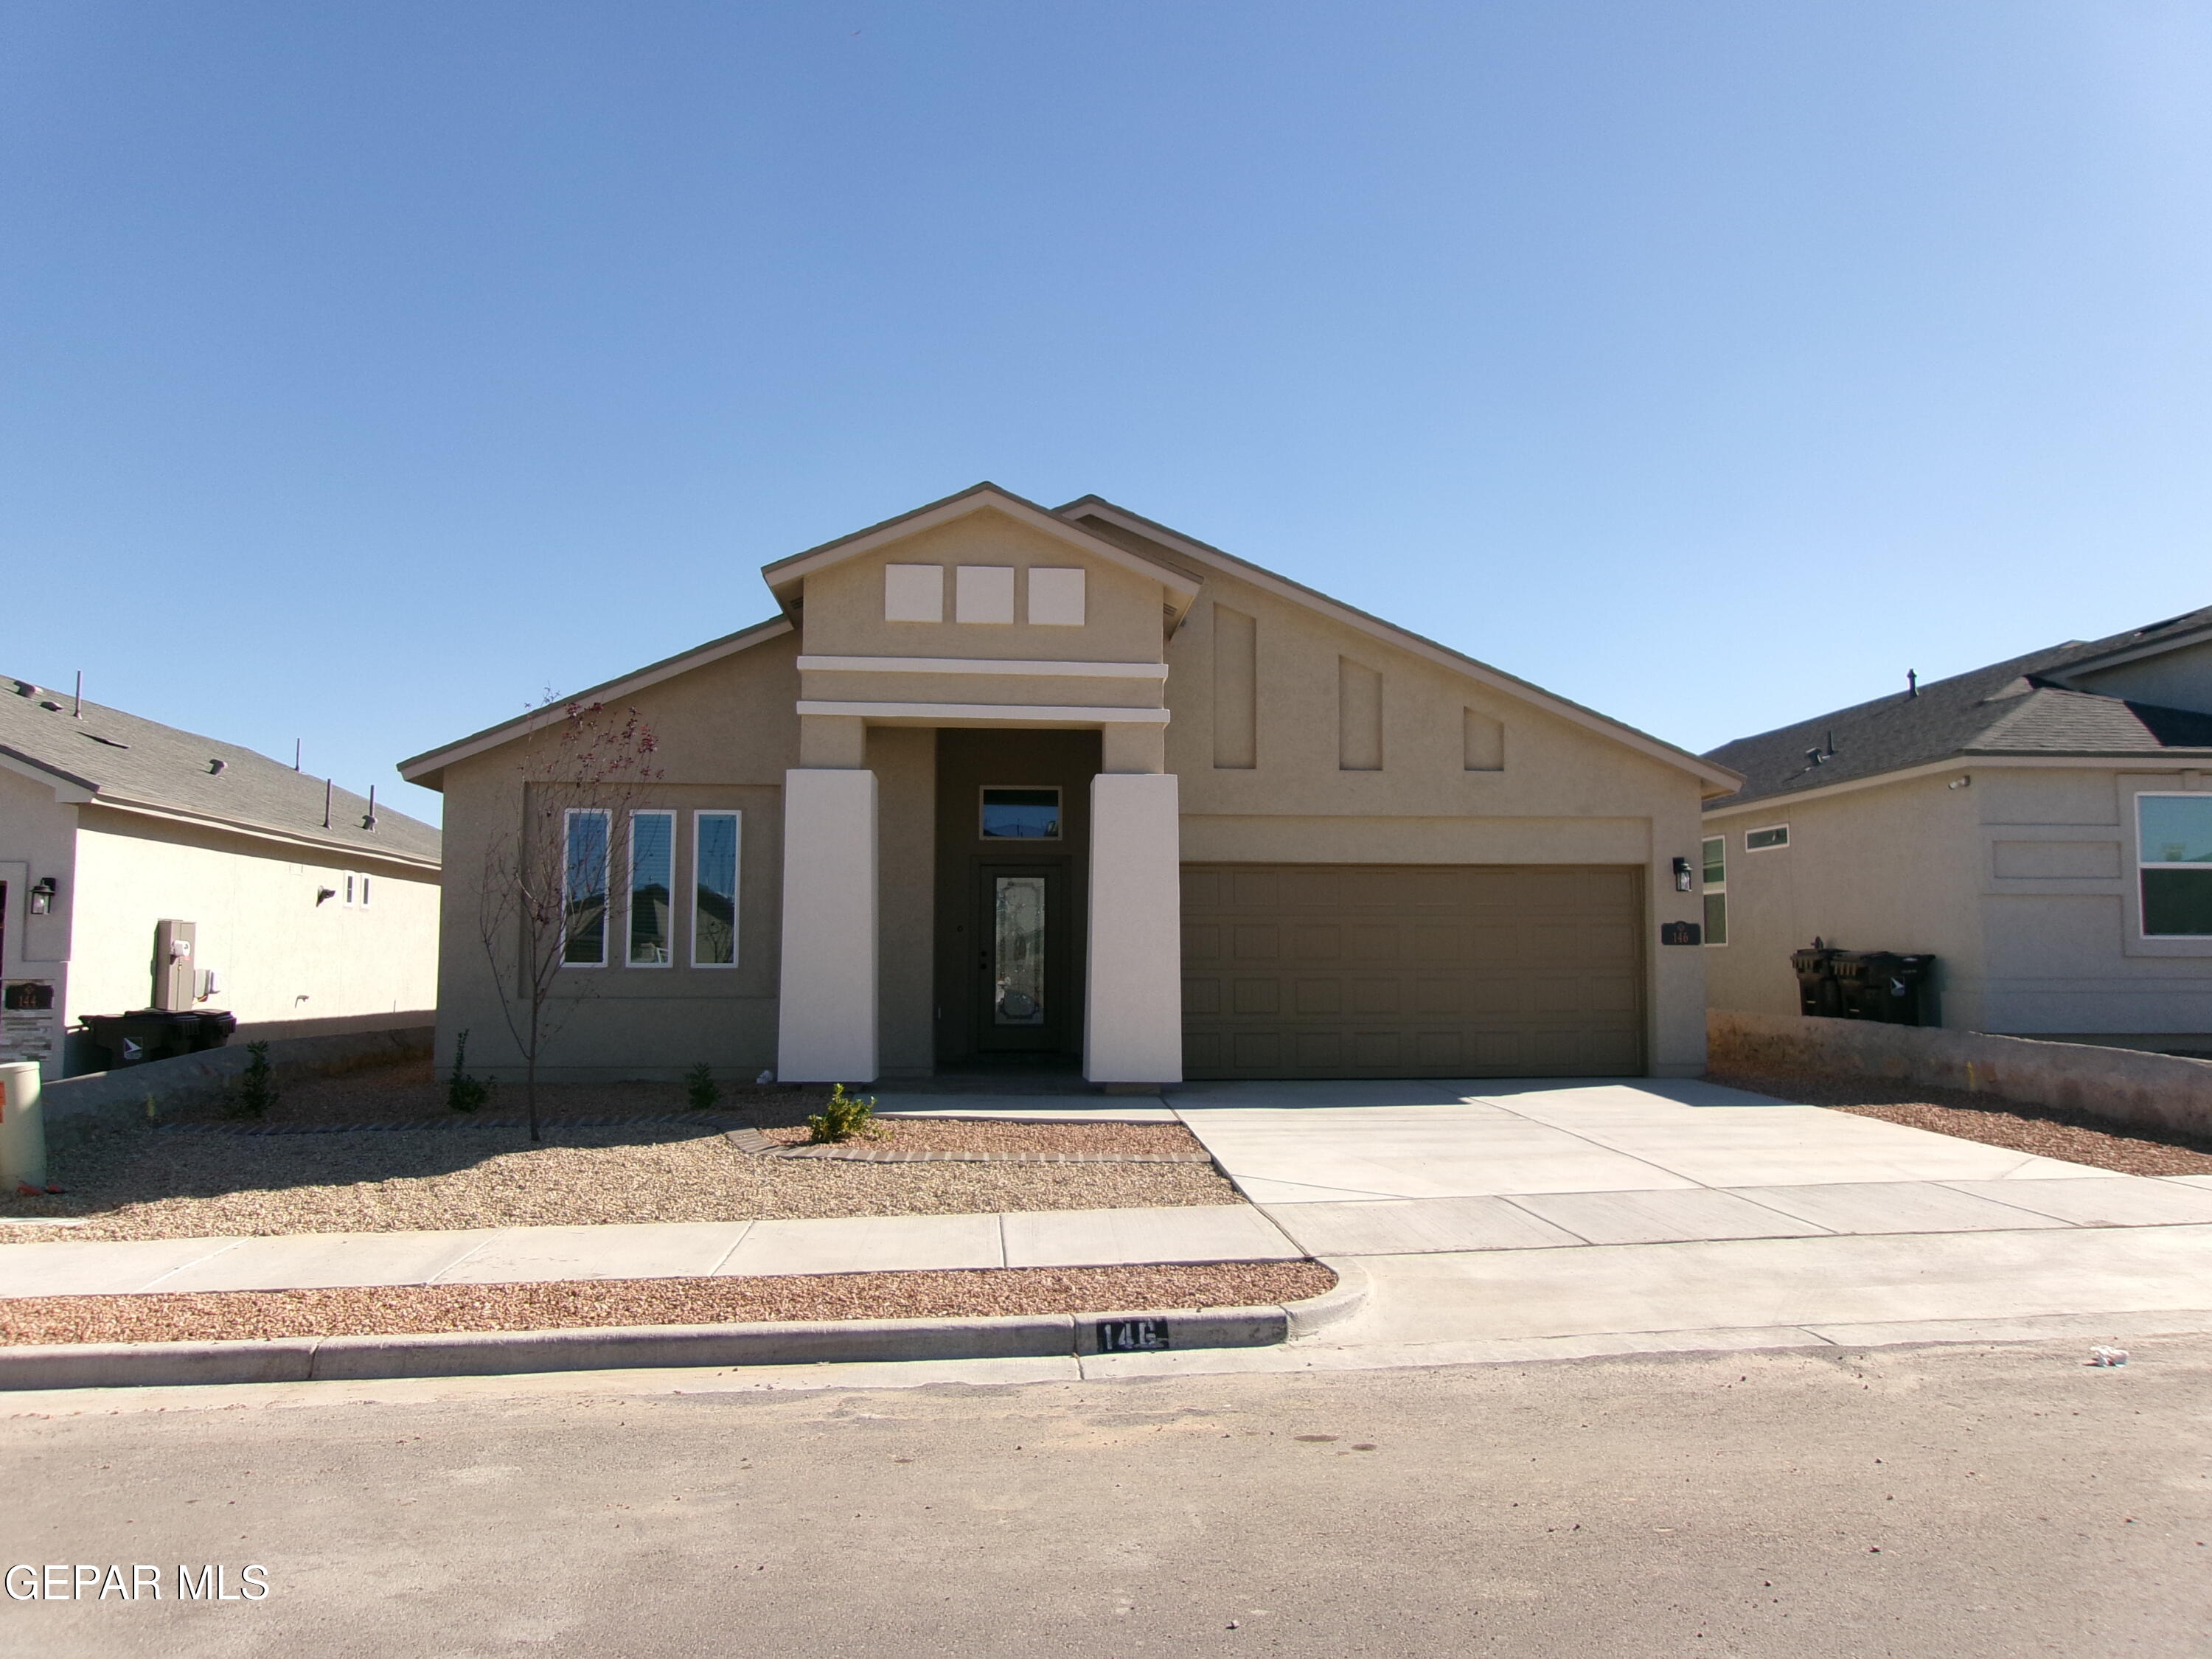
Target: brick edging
(753, 1141)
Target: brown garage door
(1410, 971)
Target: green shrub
(842, 1116)
(700, 1085)
(463, 1092)
(256, 1083)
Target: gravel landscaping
(391, 1310)
(612, 1152)
(2045, 1132)
(152, 1184)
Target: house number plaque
(1132, 1335)
(1679, 932)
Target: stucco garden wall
(2159, 1090)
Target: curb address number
(1132, 1335)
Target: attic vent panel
(1483, 742)
(1236, 697)
(913, 592)
(1358, 717)
(1056, 597)
(984, 593)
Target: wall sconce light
(1682, 875)
(43, 892)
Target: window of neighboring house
(1760, 840)
(1716, 862)
(714, 838)
(1021, 815)
(2174, 858)
(584, 888)
(354, 887)
(652, 888)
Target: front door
(1021, 961)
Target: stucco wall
(1563, 794)
(279, 955)
(2021, 882)
(1434, 793)
(38, 839)
(726, 733)
(2161, 1091)
(844, 614)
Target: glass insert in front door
(1017, 945)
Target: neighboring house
(1007, 786)
(305, 917)
(2042, 826)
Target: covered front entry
(1323, 970)
(1014, 866)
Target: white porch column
(826, 1006)
(1132, 1031)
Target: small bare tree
(546, 905)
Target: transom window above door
(1020, 814)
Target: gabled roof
(1097, 527)
(108, 758)
(2020, 707)
(1098, 510)
(428, 769)
(785, 576)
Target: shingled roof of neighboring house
(109, 759)
(2015, 707)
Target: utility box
(175, 988)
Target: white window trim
(629, 890)
(606, 924)
(1022, 840)
(1767, 829)
(2143, 864)
(737, 886)
(1711, 890)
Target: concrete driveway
(1662, 1213)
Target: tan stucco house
(2042, 826)
(141, 864)
(1003, 786)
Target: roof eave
(1722, 779)
(428, 769)
(786, 577)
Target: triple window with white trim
(715, 837)
(652, 890)
(584, 887)
(2173, 864)
(649, 873)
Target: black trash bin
(215, 1026)
(145, 1034)
(1882, 986)
(1817, 991)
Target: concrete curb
(494, 1353)
(1332, 1307)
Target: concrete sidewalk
(1040, 1238)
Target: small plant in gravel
(256, 1083)
(700, 1087)
(464, 1093)
(842, 1117)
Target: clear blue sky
(372, 368)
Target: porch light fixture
(43, 892)
(1682, 875)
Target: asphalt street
(1953, 1501)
